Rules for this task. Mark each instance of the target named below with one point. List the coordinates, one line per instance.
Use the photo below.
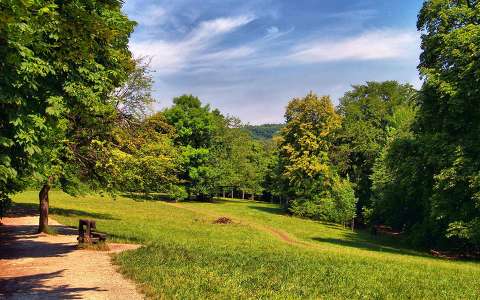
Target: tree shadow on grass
(148, 197)
(355, 241)
(30, 209)
(272, 210)
(34, 287)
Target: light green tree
(314, 187)
(146, 160)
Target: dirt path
(39, 266)
(279, 234)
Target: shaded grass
(188, 257)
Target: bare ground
(40, 266)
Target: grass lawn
(262, 254)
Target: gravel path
(40, 266)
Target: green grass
(262, 254)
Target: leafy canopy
(54, 104)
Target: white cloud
(172, 56)
(272, 30)
(210, 29)
(229, 54)
(373, 45)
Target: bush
(337, 205)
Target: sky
(248, 58)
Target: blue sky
(250, 57)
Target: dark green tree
(367, 111)
(448, 127)
(427, 180)
(196, 129)
(395, 175)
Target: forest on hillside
(264, 131)
(75, 115)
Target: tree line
(76, 115)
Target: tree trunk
(43, 208)
(253, 196)
(243, 195)
(232, 194)
(353, 224)
(223, 192)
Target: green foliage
(195, 124)
(201, 176)
(146, 159)
(338, 207)
(312, 181)
(59, 62)
(426, 182)
(264, 131)
(368, 112)
(196, 127)
(395, 192)
(448, 118)
(242, 161)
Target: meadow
(261, 254)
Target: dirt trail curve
(281, 235)
(39, 266)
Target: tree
(426, 181)
(146, 160)
(195, 124)
(59, 62)
(366, 111)
(314, 186)
(447, 126)
(196, 127)
(395, 175)
(241, 161)
(134, 99)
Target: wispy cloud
(248, 57)
(155, 15)
(229, 53)
(371, 45)
(172, 56)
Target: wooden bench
(87, 234)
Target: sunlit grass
(262, 254)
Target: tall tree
(395, 176)
(196, 127)
(314, 186)
(241, 160)
(448, 126)
(367, 111)
(59, 62)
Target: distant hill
(264, 131)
